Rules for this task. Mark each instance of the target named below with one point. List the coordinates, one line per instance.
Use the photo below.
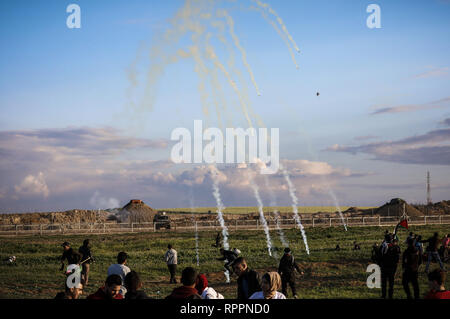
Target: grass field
(246, 210)
(328, 273)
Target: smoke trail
(280, 21)
(220, 208)
(261, 213)
(282, 35)
(330, 191)
(294, 205)
(230, 23)
(212, 55)
(191, 200)
(196, 244)
(273, 203)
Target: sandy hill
(395, 208)
(136, 211)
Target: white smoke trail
(294, 205)
(273, 203)
(261, 213)
(330, 191)
(196, 244)
(191, 200)
(280, 21)
(281, 34)
(230, 24)
(220, 208)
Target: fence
(189, 226)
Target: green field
(328, 273)
(246, 210)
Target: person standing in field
(432, 251)
(249, 281)
(411, 260)
(287, 269)
(172, 261)
(389, 261)
(120, 269)
(68, 253)
(86, 259)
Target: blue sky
(76, 80)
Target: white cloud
(33, 185)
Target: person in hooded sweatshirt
(187, 291)
(204, 291)
(133, 284)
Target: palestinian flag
(403, 223)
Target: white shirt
(260, 295)
(171, 257)
(210, 293)
(118, 269)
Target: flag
(403, 223)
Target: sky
(87, 113)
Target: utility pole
(429, 202)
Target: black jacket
(252, 280)
(140, 294)
(287, 265)
(70, 255)
(391, 258)
(85, 253)
(411, 259)
(228, 255)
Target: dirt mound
(395, 208)
(439, 208)
(67, 217)
(136, 211)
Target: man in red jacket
(111, 290)
(187, 291)
(436, 280)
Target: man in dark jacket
(287, 269)
(389, 261)
(68, 253)
(187, 291)
(410, 262)
(249, 281)
(86, 259)
(432, 251)
(229, 256)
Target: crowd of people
(388, 255)
(123, 283)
